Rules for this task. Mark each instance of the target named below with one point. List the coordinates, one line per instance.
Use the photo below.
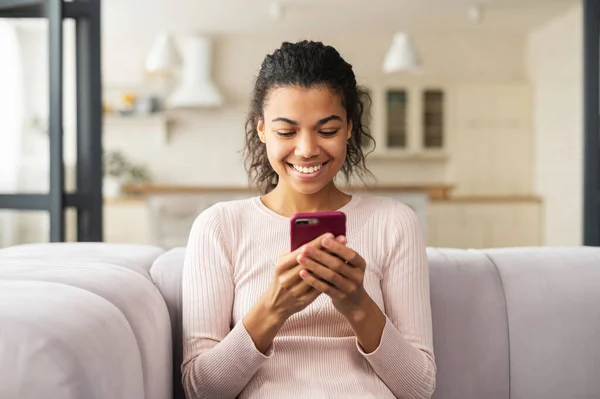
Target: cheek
(338, 151)
(276, 152)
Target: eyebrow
(319, 123)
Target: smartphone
(305, 227)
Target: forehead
(296, 102)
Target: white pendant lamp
(402, 55)
(196, 88)
(163, 56)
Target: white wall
(555, 69)
(205, 144)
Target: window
(433, 118)
(396, 118)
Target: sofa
(99, 320)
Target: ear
(350, 126)
(260, 128)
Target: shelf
(403, 155)
(142, 126)
(135, 119)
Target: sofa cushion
(117, 274)
(167, 272)
(135, 257)
(470, 329)
(553, 303)
(51, 347)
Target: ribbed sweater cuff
(242, 341)
(396, 361)
(229, 365)
(237, 355)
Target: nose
(307, 145)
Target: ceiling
(228, 16)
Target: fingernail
(307, 250)
(327, 242)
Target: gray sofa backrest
(518, 323)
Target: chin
(308, 188)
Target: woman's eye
(285, 133)
(328, 132)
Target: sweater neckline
(268, 211)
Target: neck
(286, 201)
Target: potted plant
(118, 170)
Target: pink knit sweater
(232, 249)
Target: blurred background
(476, 109)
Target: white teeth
(312, 169)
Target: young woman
(341, 317)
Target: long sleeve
(404, 359)
(218, 361)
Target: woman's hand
(287, 294)
(337, 271)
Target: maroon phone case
(333, 222)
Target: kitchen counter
(434, 191)
(162, 214)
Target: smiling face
(305, 132)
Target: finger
(292, 281)
(334, 263)
(289, 259)
(344, 252)
(341, 240)
(301, 288)
(321, 286)
(318, 242)
(290, 278)
(285, 262)
(311, 295)
(327, 275)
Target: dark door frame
(591, 111)
(87, 200)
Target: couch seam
(507, 323)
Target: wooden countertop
(438, 193)
(489, 199)
(435, 191)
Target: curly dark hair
(306, 64)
